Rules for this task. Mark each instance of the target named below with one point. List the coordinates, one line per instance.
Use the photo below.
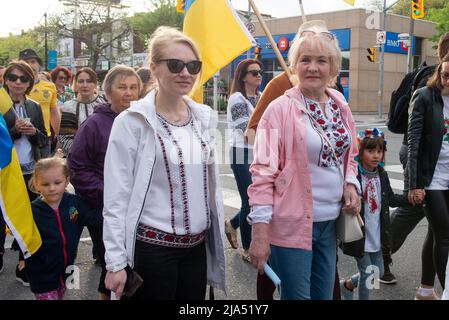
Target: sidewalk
(371, 119)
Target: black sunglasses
(254, 73)
(176, 66)
(13, 78)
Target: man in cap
(44, 92)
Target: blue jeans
(308, 274)
(241, 158)
(368, 277)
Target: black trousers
(437, 213)
(171, 273)
(402, 222)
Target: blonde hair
(163, 37)
(319, 44)
(45, 164)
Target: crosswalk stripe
(231, 197)
(394, 168)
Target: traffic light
(372, 54)
(180, 6)
(257, 51)
(417, 9)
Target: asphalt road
(241, 277)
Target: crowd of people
(140, 156)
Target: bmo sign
(395, 44)
(283, 44)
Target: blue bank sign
(393, 44)
(343, 36)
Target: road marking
(397, 185)
(395, 168)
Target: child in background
(378, 197)
(59, 217)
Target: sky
(20, 15)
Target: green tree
(441, 17)
(163, 13)
(11, 46)
(404, 7)
(99, 25)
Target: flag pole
(303, 15)
(270, 38)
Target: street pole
(410, 45)
(303, 15)
(46, 44)
(248, 53)
(380, 107)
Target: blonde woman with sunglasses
(163, 213)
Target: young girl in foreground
(59, 217)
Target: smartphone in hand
(133, 282)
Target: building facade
(353, 29)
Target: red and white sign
(381, 37)
(283, 44)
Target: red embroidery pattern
(370, 194)
(205, 151)
(155, 236)
(335, 130)
(182, 174)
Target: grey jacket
(128, 171)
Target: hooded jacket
(86, 156)
(60, 231)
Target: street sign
(52, 59)
(381, 37)
(251, 27)
(283, 44)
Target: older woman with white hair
(304, 171)
(87, 155)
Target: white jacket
(128, 171)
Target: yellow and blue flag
(350, 2)
(5, 101)
(14, 201)
(219, 33)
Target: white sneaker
(420, 296)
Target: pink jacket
(280, 170)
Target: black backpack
(400, 98)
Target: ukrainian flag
(5, 101)
(350, 2)
(14, 202)
(219, 33)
